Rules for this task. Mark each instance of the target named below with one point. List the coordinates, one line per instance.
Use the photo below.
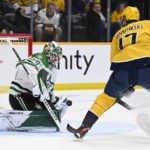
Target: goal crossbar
(18, 39)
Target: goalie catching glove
(62, 99)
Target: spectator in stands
(47, 24)
(101, 14)
(23, 14)
(77, 7)
(81, 6)
(103, 24)
(40, 5)
(22, 23)
(5, 7)
(19, 24)
(6, 13)
(26, 5)
(59, 5)
(115, 19)
(86, 4)
(94, 23)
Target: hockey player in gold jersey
(130, 62)
(130, 46)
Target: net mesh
(8, 60)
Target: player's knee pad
(102, 103)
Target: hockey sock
(89, 119)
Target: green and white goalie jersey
(38, 68)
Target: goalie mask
(53, 51)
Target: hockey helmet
(53, 51)
(130, 13)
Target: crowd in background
(88, 19)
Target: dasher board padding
(28, 120)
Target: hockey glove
(60, 100)
(36, 91)
(56, 100)
(42, 98)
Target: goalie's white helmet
(53, 51)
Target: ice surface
(115, 130)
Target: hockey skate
(80, 132)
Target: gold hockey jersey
(130, 46)
(59, 3)
(25, 4)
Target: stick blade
(71, 129)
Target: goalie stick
(49, 109)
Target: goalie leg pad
(102, 103)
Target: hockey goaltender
(31, 95)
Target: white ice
(115, 130)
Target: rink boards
(83, 65)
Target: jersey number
(133, 39)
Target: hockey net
(23, 45)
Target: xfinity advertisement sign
(82, 63)
(76, 61)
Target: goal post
(18, 39)
(23, 45)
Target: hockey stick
(71, 129)
(128, 93)
(49, 109)
(124, 104)
(119, 101)
(127, 106)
